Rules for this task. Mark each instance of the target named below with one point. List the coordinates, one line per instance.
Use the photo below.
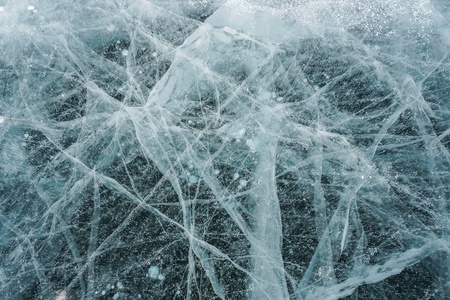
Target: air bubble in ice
(193, 179)
(153, 272)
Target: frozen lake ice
(224, 149)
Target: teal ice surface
(237, 149)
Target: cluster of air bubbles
(110, 287)
(242, 183)
(154, 273)
(192, 178)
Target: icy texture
(224, 149)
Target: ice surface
(241, 149)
